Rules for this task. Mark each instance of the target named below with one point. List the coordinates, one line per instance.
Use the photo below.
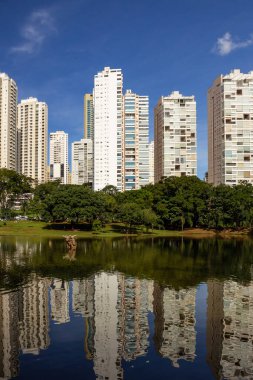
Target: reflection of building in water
(83, 303)
(214, 331)
(59, 297)
(175, 335)
(34, 324)
(9, 343)
(83, 296)
(150, 285)
(106, 342)
(133, 328)
(230, 328)
(27, 248)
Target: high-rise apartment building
(32, 139)
(88, 116)
(8, 122)
(59, 156)
(151, 162)
(135, 141)
(175, 136)
(82, 162)
(230, 129)
(108, 103)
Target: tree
(149, 218)
(130, 214)
(12, 184)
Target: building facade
(175, 143)
(230, 129)
(135, 141)
(59, 156)
(151, 163)
(8, 122)
(108, 104)
(82, 162)
(88, 116)
(32, 139)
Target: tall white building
(151, 162)
(82, 162)
(175, 136)
(108, 103)
(32, 139)
(230, 129)
(135, 141)
(8, 122)
(59, 156)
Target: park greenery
(175, 203)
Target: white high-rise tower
(8, 122)
(59, 156)
(230, 129)
(135, 141)
(32, 139)
(175, 142)
(107, 100)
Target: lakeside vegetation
(173, 204)
(173, 262)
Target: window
(239, 92)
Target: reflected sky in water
(126, 309)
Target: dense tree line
(173, 203)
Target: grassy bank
(32, 228)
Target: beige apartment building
(88, 116)
(230, 129)
(32, 139)
(82, 162)
(8, 121)
(175, 141)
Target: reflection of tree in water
(176, 265)
(169, 261)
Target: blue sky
(53, 48)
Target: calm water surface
(126, 309)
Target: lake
(127, 308)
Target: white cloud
(225, 44)
(38, 27)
